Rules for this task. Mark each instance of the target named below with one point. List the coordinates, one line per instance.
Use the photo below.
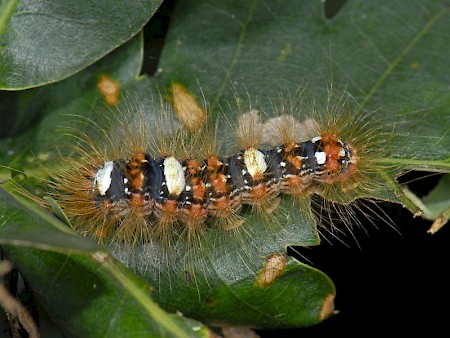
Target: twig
(13, 307)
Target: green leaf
(261, 51)
(45, 41)
(438, 199)
(389, 56)
(214, 278)
(79, 284)
(436, 204)
(257, 50)
(224, 271)
(40, 111)
(230, 294)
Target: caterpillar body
(178, 210)
(136, 185)
(166, 189)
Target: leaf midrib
(234, 56)
(393, 64)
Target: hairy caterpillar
(138, 182)
(333, 150)
(362, 86)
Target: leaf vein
(392, 65)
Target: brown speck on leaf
(110, 89)
(188, 110)
(440, 222)
(327, 307)
(274, 267)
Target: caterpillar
(176, 204)
(140, 183)
(165, 190)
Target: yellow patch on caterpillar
(255, 163)
(173, 172)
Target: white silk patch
(254, 161)
(102, 178)
(173, 171)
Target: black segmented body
(229, 180)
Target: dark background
(394, 282)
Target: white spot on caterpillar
(342, 152)
(321, 157)
(102, 178)
(254, 161)
(315, 139)
(173, 171)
